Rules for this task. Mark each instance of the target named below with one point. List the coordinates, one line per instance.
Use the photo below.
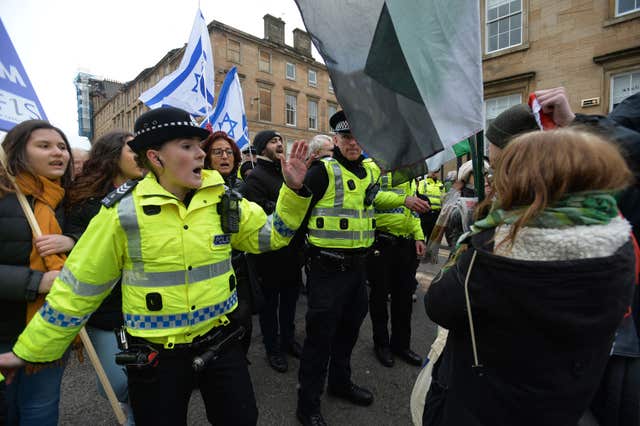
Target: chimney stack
(302, 42)
(273, 29)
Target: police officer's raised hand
(9, 364)
(294, 169)
(416, 204)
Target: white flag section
(229, 115)
(408, 73)
(190, 87)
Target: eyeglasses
(219, 151)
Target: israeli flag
(190, 87)
(229, 115)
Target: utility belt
(137, 352)
(337, 259)
(387, 239)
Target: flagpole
(476, 145)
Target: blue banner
(18, 99)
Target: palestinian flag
(408, 73)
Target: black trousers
(337, 305)
(160, 395)
(278, 314)
(428, 222)
(391, 269)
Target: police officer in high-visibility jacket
(340, 232)
(169, 236)
(433, 189)
(391, 270)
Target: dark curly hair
(98, 172)
(208, 143)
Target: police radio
(370, 193)
(229, 211)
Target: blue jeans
(106, 347)
(32, 399)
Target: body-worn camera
(370, 193)
(229, 211)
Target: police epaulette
(116, 195)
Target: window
(290, 71)
(313, 78)
(504, 24)
(312, 110)
(331, 109)
(624, 7)
(330, 86)
(264, 104)
(494, 106)
(233, 51)
(290, 109)
(623, 86)
(264, 61)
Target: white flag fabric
(190, 87)
(229, 115)
(408, 73)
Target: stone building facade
(284, 88)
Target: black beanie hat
(262, 138)
(510, 123)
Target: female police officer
(169, 237)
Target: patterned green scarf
(583, 208)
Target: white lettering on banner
(12, 74)
(16, 109)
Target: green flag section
(461, 148)
(408, 73)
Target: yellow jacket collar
(150, 190)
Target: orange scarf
(46, 201)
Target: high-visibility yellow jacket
(399, 221)
(340, 219)
(434, 190)
(175, 264)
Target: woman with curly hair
(110, 164)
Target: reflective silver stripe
(264, 235)
(395, 191)
(337, 235)
(338, 200)
(173, 278)
(368, 213)
(147, 322)
(341, 235)
(335, 212)
(84, 289)
(55, 317)
(129, 222)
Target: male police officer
(433, 189)
(391, 271)
(340, 232)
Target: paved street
(275, 392)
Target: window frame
(612, 77)
(286, 71)
(260, 61)
(616, 14)
(329, 114)
(313, 83)
(293, 111)
(260, 103)
(315, 118)
(508, 16)
(239, 60)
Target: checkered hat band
(342, 125)
(163, 125)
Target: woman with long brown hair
(110, 164)
(38, 155)
(533, 302)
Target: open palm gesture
(294, 169)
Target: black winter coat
(284, 265)
(109, 315)
(544, 331)
(18, 282)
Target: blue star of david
(199, 86)
(232, 124)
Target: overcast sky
(114, 39)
